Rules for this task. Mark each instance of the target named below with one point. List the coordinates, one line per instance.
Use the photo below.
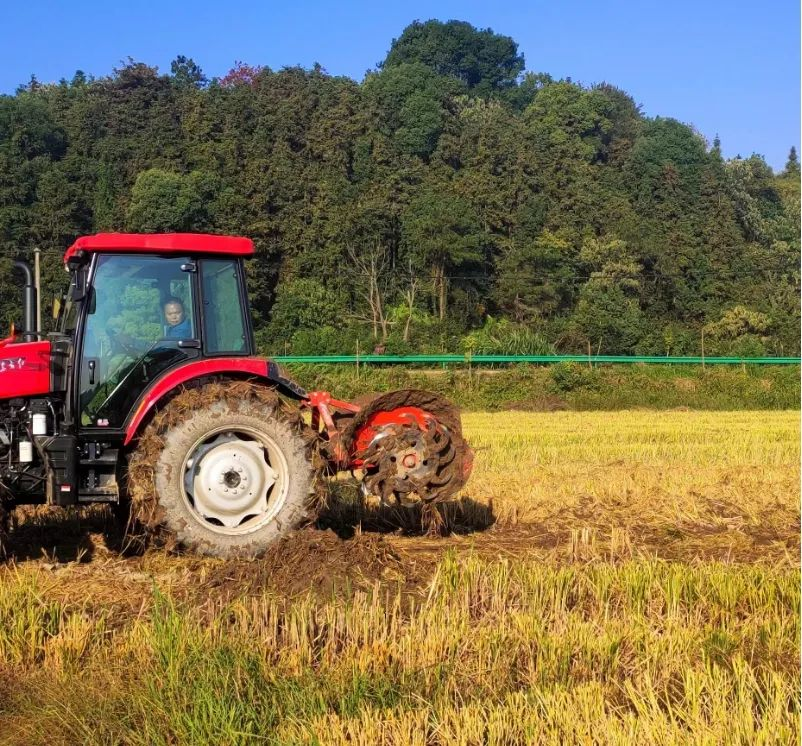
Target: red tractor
(149, 396)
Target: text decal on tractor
(150, 397)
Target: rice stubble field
(606, 577)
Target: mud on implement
(150, 397)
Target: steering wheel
(121, 381)
(120, 342)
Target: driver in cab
(177, 324)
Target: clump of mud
(312, 560)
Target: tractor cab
(142, 304)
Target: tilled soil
(79, 558)
(316, 561)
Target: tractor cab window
(68, 317)
(140, 321)
(224, 323)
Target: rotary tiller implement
(400, 442)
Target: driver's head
(173, 311)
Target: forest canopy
(450, 201)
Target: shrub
(569, 376)
(506, 338)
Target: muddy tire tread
(158, 510)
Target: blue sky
(731, 68)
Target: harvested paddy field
(618, 577)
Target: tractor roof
(162, 243)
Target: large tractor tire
(223, 470)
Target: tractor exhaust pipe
(29, 331)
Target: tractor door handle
(92, 364)
(193, 343)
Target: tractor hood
(24, 369)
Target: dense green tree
(610, 320)
(442, 232)
(186, 73)
(792, 164)
(534, 277)
(162, 201)
(566, 129)
(302, 305)
(482, 60)
(739, 331)
(410, 103)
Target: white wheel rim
(235, 480)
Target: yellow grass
(707, 481)
(640, 585)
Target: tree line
(449, 201)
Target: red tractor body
(151, 317)
(24, 369)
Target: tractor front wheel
(226, 478)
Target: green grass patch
(573, 385)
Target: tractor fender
(235, 367)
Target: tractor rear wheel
(223, 474)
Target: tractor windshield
(139, 309)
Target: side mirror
(78, 285)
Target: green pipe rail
(539, 359)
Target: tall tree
(792, 164)
(483, 60)
(441, 231)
